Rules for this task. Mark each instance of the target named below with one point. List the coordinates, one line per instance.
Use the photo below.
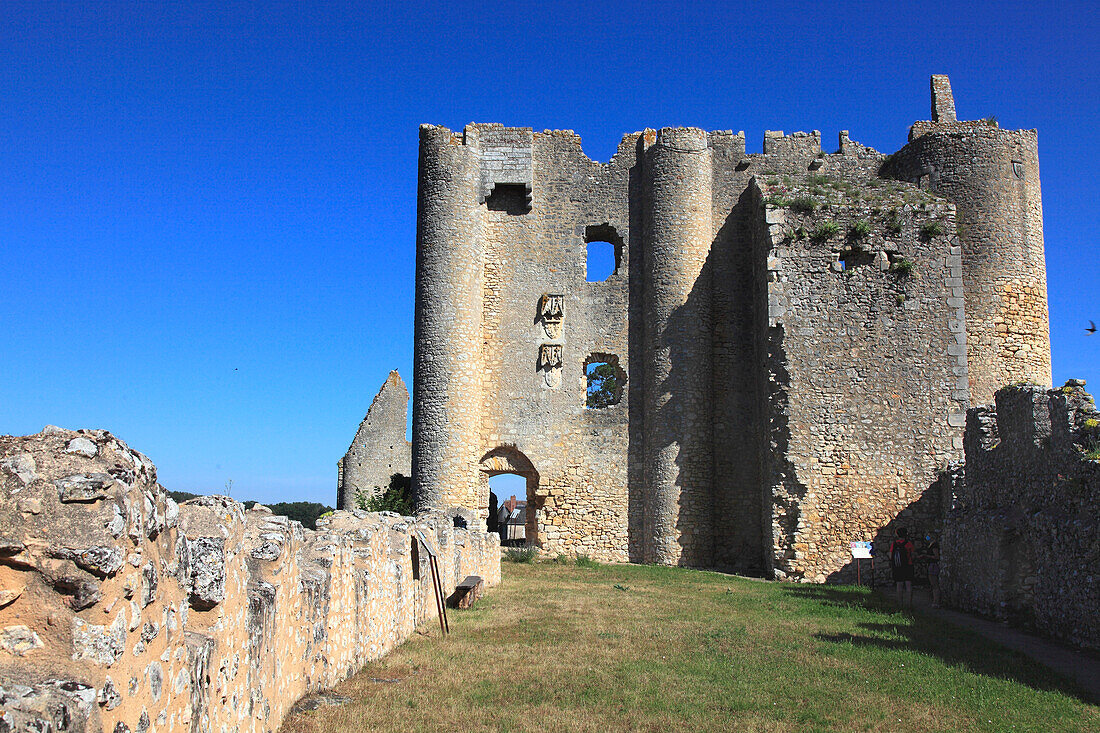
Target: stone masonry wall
(543, 321)
(1021, 542)
(121, 611)
(379, 449)
(866, 353)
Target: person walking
(901, 566)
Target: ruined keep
(798, 334)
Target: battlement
(1030, 419)
(1020, 540)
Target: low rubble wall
(1021, 541)
(123, 611)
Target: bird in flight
(1092, 328)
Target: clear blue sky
(207, 209)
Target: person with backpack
(901, 565)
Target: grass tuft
(520, 554)
(804, 205)
(826, 231)
(902, 267)
(930, 230)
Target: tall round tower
(992, 176)
(678, 452)
(447, 334)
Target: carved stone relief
(550, 363)
(552, 314)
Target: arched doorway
(510, 460)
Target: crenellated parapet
(1020, 542)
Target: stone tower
(992, 176)
(788, 332)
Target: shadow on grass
(935, 637)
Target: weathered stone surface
(19, 640)
(82, 446)
(83, 590)
(99, 560)
(207, 563)
(194, 617)
(54, 705)
(108, 695)
(379, 449)
(101, 644)
(81, 487)
(22, 465)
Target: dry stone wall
(1021, 541)
(123, 611)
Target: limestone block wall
(543, 321)
(1021, 542)
(379, 449)
(864, 343)
(121, 611)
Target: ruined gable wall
(125, 612)
(536, 405)
(379, 449)
(866, 380)
(1022, 541)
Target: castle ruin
(798, 334)
(379, 449)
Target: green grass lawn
(567, 647)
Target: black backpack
(898, 556)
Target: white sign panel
(861, 550)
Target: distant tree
(305, 512)
(396, 498)
(604, 387)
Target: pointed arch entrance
(509, 459)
